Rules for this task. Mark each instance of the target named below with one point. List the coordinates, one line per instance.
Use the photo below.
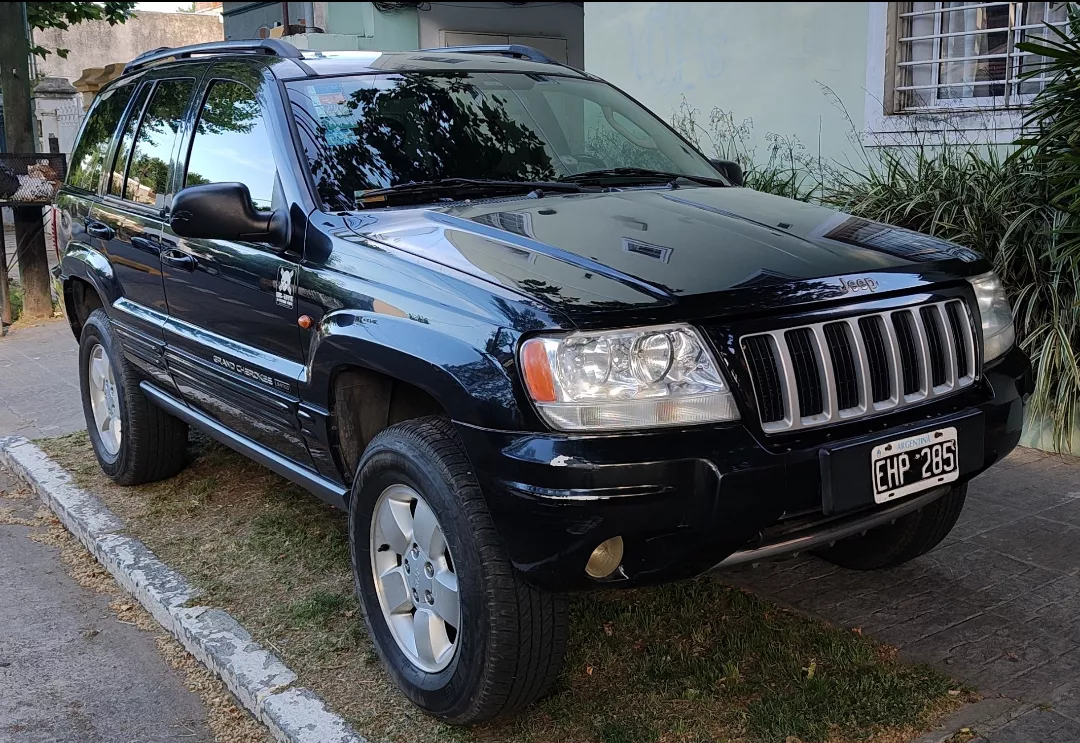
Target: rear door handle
(178, 259)
(99, 230)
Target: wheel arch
(89, 283)
(372, 371)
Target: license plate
(914, 463)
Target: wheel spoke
(426, 531)
(97, 371)
(396, 524)
(114, 429)
(445, 589)
(426, 627)
(395, 591)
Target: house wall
(243, 20)
(760, 61)
(96, 43)
(561, 20)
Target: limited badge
(286, 287)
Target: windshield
(377, 131)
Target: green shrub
(16, 299)
(789, 170)
(999, 206)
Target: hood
(686, 252)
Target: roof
(359, 63)
(294, 63)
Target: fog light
(605, 559)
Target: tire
(151, 444)
(903, 540)
(508, 646)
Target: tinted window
(124, 148)
(148, 174)
(89, 154)
(370, 132)
(231, 143)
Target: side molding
(330, 492)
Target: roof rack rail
(517, 51)
(271, 47)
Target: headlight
(997, 320)
(617, 379)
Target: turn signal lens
(537, 371)
(605, 559)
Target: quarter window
(89, 154)
(231, 143)
(949, 55)
(148, 175)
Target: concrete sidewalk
(69, 671)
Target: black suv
(528, 337)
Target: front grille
(829, 372)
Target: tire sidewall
(447, 692)
(96, 331)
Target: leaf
(810, 670)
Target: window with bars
(962, 55)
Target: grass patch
(684, 663)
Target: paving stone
(1037, 726)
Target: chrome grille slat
(939, 344)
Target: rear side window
(116, 179)
(148, 174)
(89, 155)
(231, 143)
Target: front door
(127, 222)
(233, 344)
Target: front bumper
(686, 500)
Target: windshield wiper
(455, 188)
(646, 175)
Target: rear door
(127, 222)
(233, 340)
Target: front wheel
(462, 635)
(904, 539)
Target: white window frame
(976, 120)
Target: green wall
(761, 61)
(374, 30)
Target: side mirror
(223, 211)
(730, 170)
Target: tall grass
(999, 206)
(787, 170)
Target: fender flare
(471, 385)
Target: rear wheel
(135, 442)
(905, 539)
(462, 635)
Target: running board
(329, 491)
(826, 534)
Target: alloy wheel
(415, 578)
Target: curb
(258, 679)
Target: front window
(370, 132)
(958, 55)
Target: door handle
(178, 259)
(100, 230)
(145, 243)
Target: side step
(329, 491)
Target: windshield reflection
(368, 132)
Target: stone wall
(96, 43)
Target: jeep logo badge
(858, 285)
